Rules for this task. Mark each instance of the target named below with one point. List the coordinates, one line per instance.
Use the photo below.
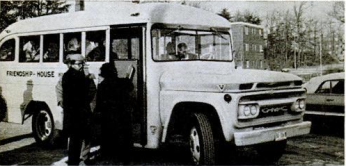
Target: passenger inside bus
(99, 52)
(170, 48)
(7, 50)
(183, 53)
(73, 46)
(52, 53)
(6, 54)
(89, 46)
(31, 51)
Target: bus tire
(271, 152)
(201, 140)
(43, 128)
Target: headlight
(253, 110)
(299, 105)
(248, 111)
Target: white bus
(200, 99)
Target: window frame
(40, 43)
(84, 46)
(190, 28)
(246, 29)
(331, 86)
(14, 49)
(129, 38)
(59, 47)
(247, 49)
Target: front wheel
(43, 127)
(201, 140)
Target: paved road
(17, 147)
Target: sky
(315, 9)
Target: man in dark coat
(112, 101)
(77, 92)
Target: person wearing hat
(112, 106)
(75, 92)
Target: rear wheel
(201, 140)
(271, 151)
(43, 127)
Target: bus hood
(237, 80)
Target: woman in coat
(113, 103)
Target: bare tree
(299, 31)
(11, 11)
(288, 34)
(338, 11)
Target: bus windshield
(186, 45)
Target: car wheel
(201, 140)
(43, 127)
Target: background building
(248, 44)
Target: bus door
(126, 50)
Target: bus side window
(125, 44)
(51, 48)
(29, 49)
(135, 47)
(120, 47)
(72, 43)
(7, 50)
(95, 46)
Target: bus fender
(33, 107)
(183, 110)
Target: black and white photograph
(172, 82)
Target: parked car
(325, 105)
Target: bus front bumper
(271, 134)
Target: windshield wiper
(217, 33)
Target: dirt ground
(17, 147)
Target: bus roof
(246, 24)
(123, 14)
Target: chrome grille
(275, 107)
(269, 96)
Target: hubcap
(43, 125)
(195, 145)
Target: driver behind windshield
(183, 53)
